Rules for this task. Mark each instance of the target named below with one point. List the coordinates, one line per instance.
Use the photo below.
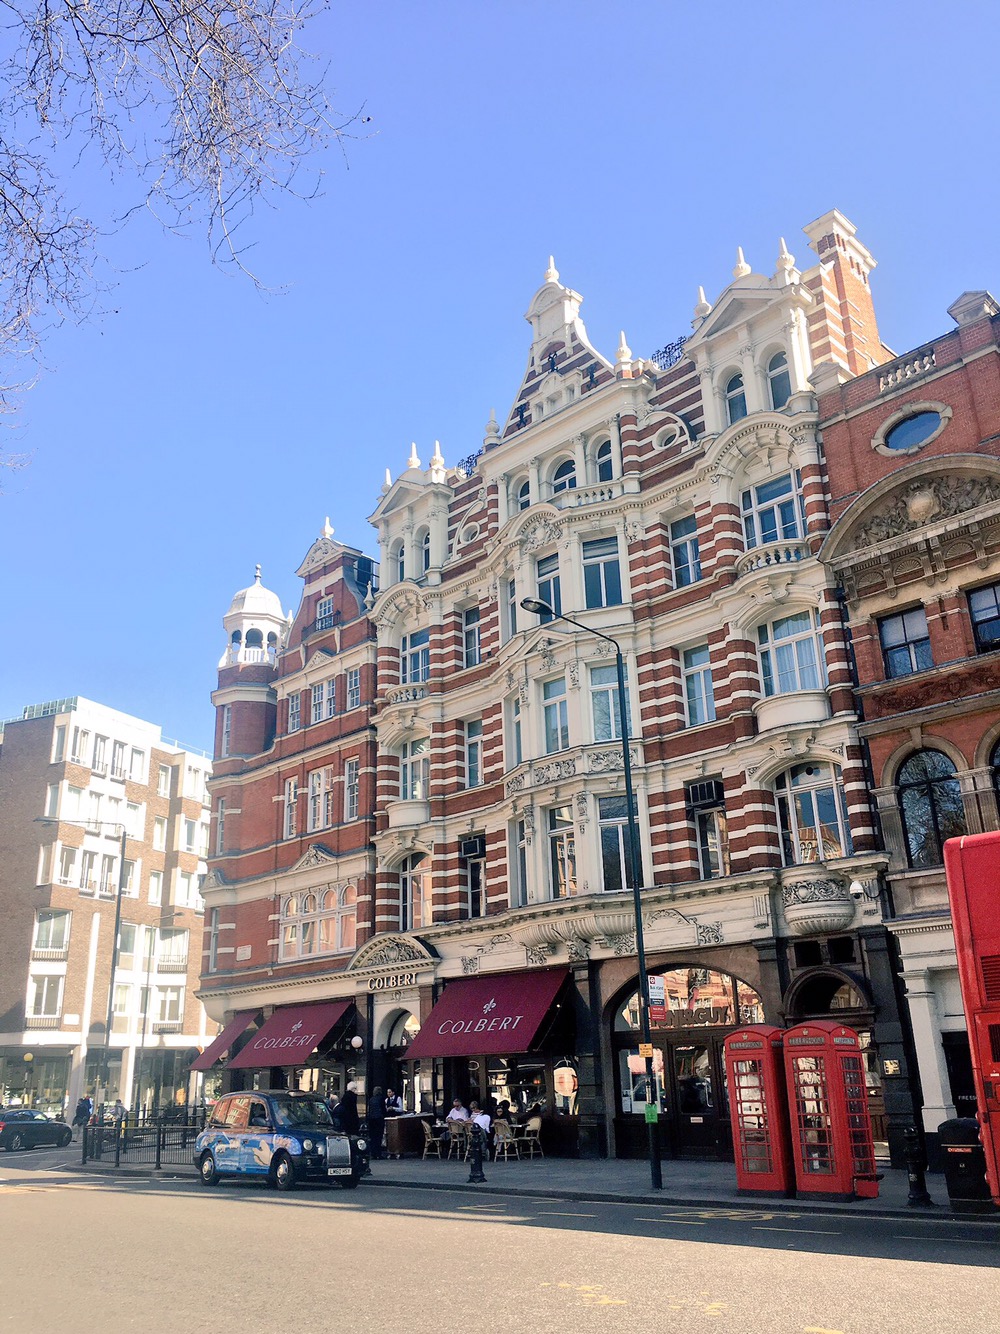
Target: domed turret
(255, 624)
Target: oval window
(913, 431)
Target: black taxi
(280, 1136)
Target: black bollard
(476, 1174)
(916, 1165)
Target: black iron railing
(154, 1141)
(668, 355)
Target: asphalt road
(86, 1253)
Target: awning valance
(489, 1016)
(239, 1023)
(290, 1036)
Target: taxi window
(258, 1115)
(237, 1112)
(220, 1111)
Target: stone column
(925, 1020)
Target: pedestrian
(82, 1114)
(350, 1122)
(393, 1103)
(332, 1104)
(376, 1122)
(118, 1113)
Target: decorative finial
(437, 458)
(624, 352)
(552, 273)
(413, 461)
(256, 577)
(327, 528)
(387, 484)
(786, 262)
(742, 267)
(704, 307)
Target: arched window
(605, 462)
(425, 551)
(522, 494)
(791, 654)
(397, 561)
(564, 477)
(778, 380)
(338, 921)
(812, 816)
(930, 802)
(254, 639)
(736, 399)
(414, 894)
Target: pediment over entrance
(391, 949)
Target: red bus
(972, 865)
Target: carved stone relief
(924, 501)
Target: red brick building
(913, 460)
(678, 504)
(289, 892)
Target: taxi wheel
(284, 1173)
(207, 1174)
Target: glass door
(696, 1098)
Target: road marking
(562, 1213)
(951, 1241)
(672, 1222)
(809, 1231)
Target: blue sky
(202, 427)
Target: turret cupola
(256, 626)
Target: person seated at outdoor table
(479, 1117)
(458, 1112)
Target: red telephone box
(758, 1107)
(972, 866)
(832, 1141)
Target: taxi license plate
(338, 1171)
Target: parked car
(21, 1128)
(282, 1137)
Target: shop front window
(693, 998)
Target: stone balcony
(772, 555)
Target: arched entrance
(390, 1065)
(830, 993)
(699, 1008)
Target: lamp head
(357, 1043)
(537, 606)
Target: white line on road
(951, 1241)
(810, 1231)
(563, 1213)
(674, 1222)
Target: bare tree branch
(209, 106)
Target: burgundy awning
(290, 1036)
(239, 1023)
(488, 1016)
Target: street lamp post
(633, 871)
(123, 838)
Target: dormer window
(778, 381)
(564, 477)
(736, 399)
(605, 462)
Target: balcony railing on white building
(772, 553)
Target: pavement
(611, 1180)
